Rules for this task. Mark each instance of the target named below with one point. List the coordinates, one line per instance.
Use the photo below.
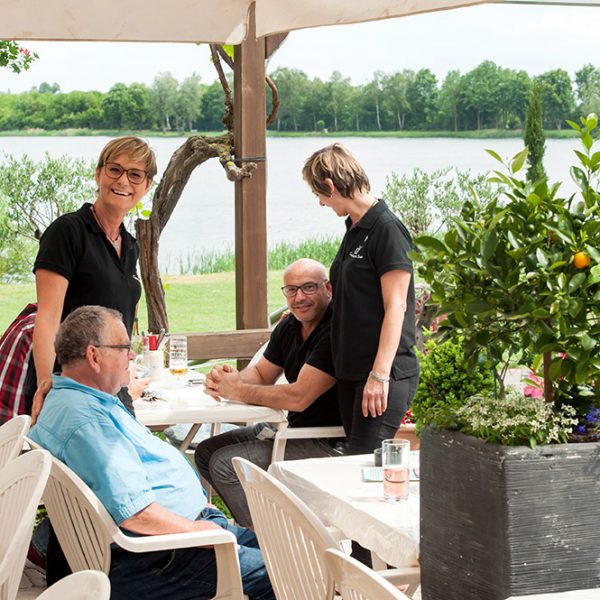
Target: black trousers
(364, 434)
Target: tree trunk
(548, 387)
(195, 151)
(377, 114)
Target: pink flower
(535, 389)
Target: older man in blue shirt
(147, 486)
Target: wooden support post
(250, 194)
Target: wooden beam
(250, 194)
(226, 344)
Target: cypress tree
(534, 135)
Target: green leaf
(592, 121)
(426, 241)
(489, 245)
(540, 313)
(576, 281)
(541, 257)
(518, 160)
(513, 240)
(594, 254)
(494, 155)
(478, 306)
(586, 139)
(588, 342)
(573, 125)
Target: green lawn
(195, 303)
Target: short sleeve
(60, 248)
(118, 476)
(319, 355)
(389, 247)
(274, 351)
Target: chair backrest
(84, 585)
(12, 435)
(83, 526)
(22, 482)
(354, 581)
(292, 539)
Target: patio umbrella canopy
(218, 21)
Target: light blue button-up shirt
(120, 460)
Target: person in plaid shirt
(15, 353)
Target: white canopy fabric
(218, 21)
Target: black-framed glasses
(115, 346)
(115, 170)
(308, 288)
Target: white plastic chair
(22, 482)
(354, 581)
(83, 585)
(293, 540)
(86, 531)
(12, 435)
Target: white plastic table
(333, 488)
(189, 404)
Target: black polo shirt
(288, 350)
(75, 247)
(377, 244)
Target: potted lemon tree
(506, 508)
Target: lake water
(204, 217)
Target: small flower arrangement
(408, 418)
(516, 419)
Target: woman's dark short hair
(335, 162)
(85, 326)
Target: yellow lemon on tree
(581, 260)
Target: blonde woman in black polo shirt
(373, 322)
(88, 257)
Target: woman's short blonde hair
(134, 147)
(335, 162)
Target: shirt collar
(370, 217)
(66, 383)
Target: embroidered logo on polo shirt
(356, 253)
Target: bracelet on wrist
(377, 377)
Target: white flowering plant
(515, 420)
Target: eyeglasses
(115, 346)
(115, 170)
(308, 288)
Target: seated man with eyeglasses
(300, 347)
(147, 486)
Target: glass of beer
(395, 462)
(178, 357)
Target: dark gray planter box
(498, 521)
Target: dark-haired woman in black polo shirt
(373, 323)
(88, 257)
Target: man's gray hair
(84, 326)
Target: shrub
(445, 383)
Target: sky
(533, 38)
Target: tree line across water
(487, 97)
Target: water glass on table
(395, 460)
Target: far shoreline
(475, 134)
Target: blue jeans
(188, 573)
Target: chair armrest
(229, 581)
(401, 575)
(171, 541)
(301, 433)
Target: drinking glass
(178, 355)
(395, 462)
